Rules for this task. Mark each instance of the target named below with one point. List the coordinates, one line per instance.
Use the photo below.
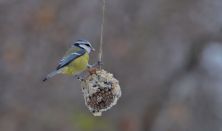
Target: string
(101, 35)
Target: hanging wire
(101, 35)
(100, 83)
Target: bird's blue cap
(82, 40)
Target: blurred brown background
(167, 55)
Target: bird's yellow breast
(77, 65)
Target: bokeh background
(167, 55)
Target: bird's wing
(69, 58)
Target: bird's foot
(78, 77)
(100, 63)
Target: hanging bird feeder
(100, 89)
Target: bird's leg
(98, 64)
(93, 68)
(90, 66)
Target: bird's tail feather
(50, 75)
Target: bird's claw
(100, 63)
(78, 78)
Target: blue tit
(74, 61)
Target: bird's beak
(93, 49)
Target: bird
(75, 60)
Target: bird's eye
(88, 45)
(76, 44)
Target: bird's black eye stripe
(76, 44)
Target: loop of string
(101, 35)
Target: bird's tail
(50, 75)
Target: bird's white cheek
(87, 49)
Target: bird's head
(84, 44)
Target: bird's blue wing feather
(68, 59)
